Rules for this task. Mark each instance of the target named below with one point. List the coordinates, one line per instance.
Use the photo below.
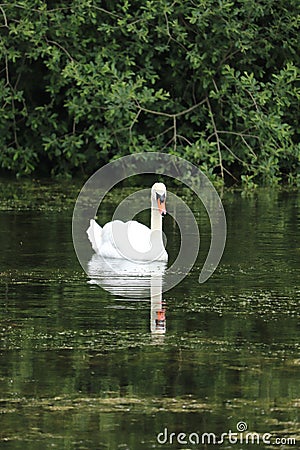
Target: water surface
(80, 368)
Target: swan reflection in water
(132, 280)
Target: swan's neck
(156, 219)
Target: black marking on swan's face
(161, 197)
(161, 203)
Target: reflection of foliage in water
(79, 367)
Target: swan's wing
(94, 233)
(107, 232)
(139, 236)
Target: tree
(216, 82)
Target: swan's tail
(94, 234)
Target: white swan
(132, 240)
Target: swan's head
(159, 194)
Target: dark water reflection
(80, 368)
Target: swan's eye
(160, 197)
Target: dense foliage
(216, 82)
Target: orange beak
(162, 206)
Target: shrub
(216, 82)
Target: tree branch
(4, 17)
(232, 153)
(164, 114)
(175, 133)
(173, 116)
(169, 33)
(7, 72)
(216, 136)
(253, 99)
(133, 122)
(49, 41)
(179, 136)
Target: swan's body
(132, 240)
(103, 242)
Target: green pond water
(80, 367)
